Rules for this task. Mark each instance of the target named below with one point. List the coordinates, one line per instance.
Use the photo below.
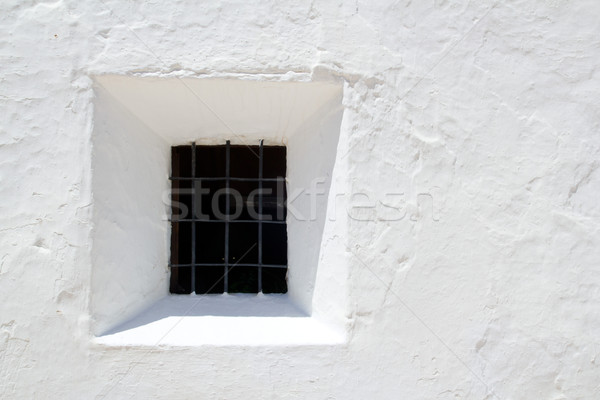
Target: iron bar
(227, 176)
(193, 282)
(260, 211)
(220, 265)
(233, 221)
(212, 178)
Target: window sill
(221, 320)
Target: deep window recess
(228, 229)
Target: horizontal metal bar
(231, 265)
(264, 221)
(180, 178)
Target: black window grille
(228, 229)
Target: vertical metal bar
(193, 283)
(260, 211)
(227, 173)
(175, 185)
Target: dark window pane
(210, 242)
(181, 242)
(243, 243)
(210, 161)
(274, 161)
(274, 280)
(209, 279)
(181, 199)
(210, 199)
(244, 161)
(181, 280)
(181, 161)
(243, 279)
(274, 244)
(244, 200)
(274, 200)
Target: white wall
(482, 117)
(130, 242)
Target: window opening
(228, 223)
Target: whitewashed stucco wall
(483, 114)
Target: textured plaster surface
(483, 115)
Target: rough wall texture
(483, 114)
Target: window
(131, 166)
(228, 223)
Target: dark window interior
(228, 229)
